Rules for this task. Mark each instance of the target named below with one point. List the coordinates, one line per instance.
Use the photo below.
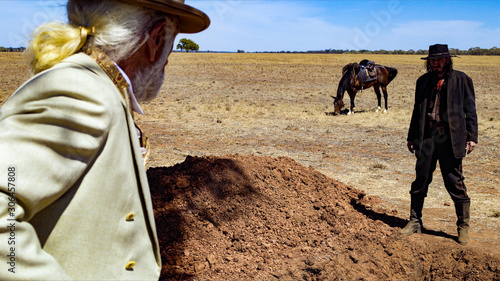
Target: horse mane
(350, 67)
(345, 81)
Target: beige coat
(83, 209)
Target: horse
(350, 83)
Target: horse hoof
(385, 110)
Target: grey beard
(147, 82)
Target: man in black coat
(443, 127)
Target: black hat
(438, 51)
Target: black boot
(463, 216)
(415, 224)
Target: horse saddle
(367, 72)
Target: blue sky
(301, 25)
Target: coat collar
(109, 67)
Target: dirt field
(291, 204)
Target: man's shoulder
(78, 65)
(460, 78)
(459, 74)
(424, 77)
(78, 76)
(78, 71)
(80, 62)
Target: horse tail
(392, 72)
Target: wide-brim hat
(192, 20)
(438, 51)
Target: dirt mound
(261, 218)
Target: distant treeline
(10, 49)
(477, 51)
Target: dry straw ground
(279, 104)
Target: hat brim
(192, 20)
(438, 56)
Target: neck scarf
(435, 113)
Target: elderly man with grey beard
(74, 198)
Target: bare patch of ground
(262, 218)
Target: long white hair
(120, 29)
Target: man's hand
(411, 146)
(470, 146)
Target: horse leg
(384, 89)
(352, 95)
(379, 96)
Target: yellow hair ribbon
(84, 32)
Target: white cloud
(459, 34)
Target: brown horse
(350, 83)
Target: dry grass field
(279, 105)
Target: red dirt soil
(261, 218)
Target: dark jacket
(461, 109)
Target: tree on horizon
(187, 45)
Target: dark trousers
(434, 148)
